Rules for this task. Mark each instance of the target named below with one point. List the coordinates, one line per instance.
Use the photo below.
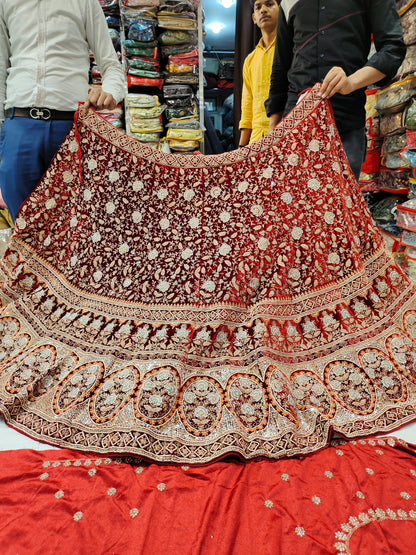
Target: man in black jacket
(329, 41)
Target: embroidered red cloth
(182, 308)
(357, 498)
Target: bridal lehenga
(182, 308)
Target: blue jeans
(27, 147)
(355, 146)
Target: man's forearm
(274, 120)
(336, 80)
(245, 135)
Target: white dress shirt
(44, 53)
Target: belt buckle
(40, 113)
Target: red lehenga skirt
(182, 308)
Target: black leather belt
(44, 114)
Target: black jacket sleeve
(387, 37)
(282, 61)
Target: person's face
(265, 14)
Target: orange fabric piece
(355, 498)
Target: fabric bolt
(256, 83)
(182, 308)
(45, 50)
(353, 498)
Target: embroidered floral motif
(201, 405)
(246, 399)
(113, 394)
(157, 397)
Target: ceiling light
(227, 3)
(216, 27)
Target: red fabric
(356, 498)
(372, 161)
(182, 308)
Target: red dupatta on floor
(182, 308)
(356, 498)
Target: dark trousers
(355, 146)
(27, 147)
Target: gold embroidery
(347, 529)
(300, 531)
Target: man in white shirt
(44, 64)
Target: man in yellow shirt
(257, 68)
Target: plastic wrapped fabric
(394, 180)
(369, 183)
(409, 63)
(181, 79)
(142, 100)
(408, 20)
(140, 3)
(394, 161)
(386, 209)
(182, 112)
(151, 52)
(142, 30)
(177, 49)
(177, 91)
(145, 125)
(410, 117)
(149, 112)
(144, 63)
(139, 44)
(171, 38)
(150, 137)
(184, 134)
(394, 143)
(406, 215)
(176, 68)
(134, 81)
(395, 97)
(391, 124)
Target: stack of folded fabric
(141, 45)
(182, 68)
(145, 117)
(184, 131)
(394, 206)
(160, 40)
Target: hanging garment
(355, 498)
(182, 308)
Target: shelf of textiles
(112, 14)
(388, 178)
(161, 52)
